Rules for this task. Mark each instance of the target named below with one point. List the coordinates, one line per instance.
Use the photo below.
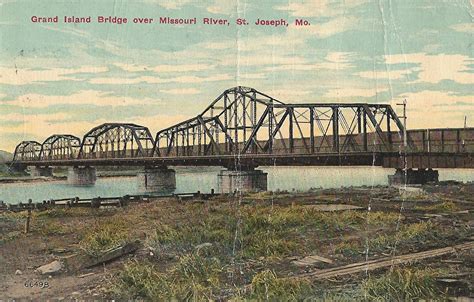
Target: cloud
(348, 92)
(158, 80)
(17, 117)
(164, 68)
(320, 8)
(176, 4)
(431, 108)
(85, 97)
(443, 100)
(181, 91)
(251, 76)
(22, 76)
(289, 95)
(385, 74)
(70, 31)
(464, 27)
(435, 68)
(226, 44)
(227, 7)
(332, 61)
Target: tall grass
(266, 286)
(192, 278)
(103, 236)
(403, 284)
(261, 231)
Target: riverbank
(61, 174)
(258, 246)
(30, 179)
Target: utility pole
(465, 121)
(404, 104)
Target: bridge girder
(116, 140)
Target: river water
(279, 178)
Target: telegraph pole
(404, 104)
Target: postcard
(159, 150)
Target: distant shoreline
(26, 179)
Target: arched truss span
(117, 140)
(60, 146)
(27, 151)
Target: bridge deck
(385, 159)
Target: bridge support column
(412, 177)
(248, 180)
(156, 179)
(41, 171)
(81, 176)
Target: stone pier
(156, 179)
(81, 176)
(17, 169)
(41, 171)
(248, 180)
(413, 177)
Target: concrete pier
(81, 176)
(156, 179)
(41, 171)
(242, 181)
(413, 177)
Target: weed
(52, 228)
(266, 286)
(104, 236)
(347, 248)
(445, 206)
(403, 284)
(75, 212)
(412, 233)
(192, 278)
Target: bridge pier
(17, 169)
(36, 171)
(412, 177)
(245, 180)
(81, 176)
(156, 179)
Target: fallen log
(79, 261)
(382, 262)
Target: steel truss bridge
(243, 127)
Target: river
(279, 178)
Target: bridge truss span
(27, 151)
(117, 140)
(245, 121)
(60, 146)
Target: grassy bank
(231, 249)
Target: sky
(67, 78)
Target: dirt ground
(230, 247)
